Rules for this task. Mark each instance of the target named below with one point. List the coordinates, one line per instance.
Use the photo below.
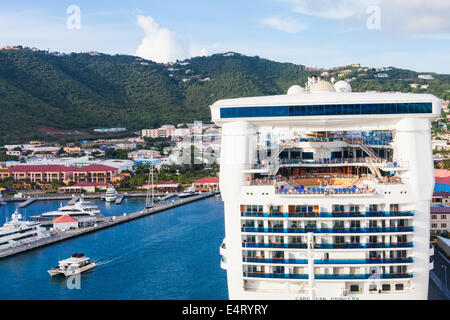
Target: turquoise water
(170, 255)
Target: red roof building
(96, 173)
(64, 219)
(65, 223)
(208, 184)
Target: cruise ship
(17, 232)
(327, 193)
(79, 209)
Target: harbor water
(173, 254)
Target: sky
(410, 34)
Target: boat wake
(104, 262)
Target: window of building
(443, 216)
(433, 217)
(443, 225)
(434, 225)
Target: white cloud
(285, 24)
(160, 44)
(418, 17)
(330, 8)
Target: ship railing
(326, 276)
(256, 259)
(340, 214)
(335, 245)
(248, 228)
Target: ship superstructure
(327, 193)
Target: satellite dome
(296, 89)
(343, 86)
(322, 86)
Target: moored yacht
(79, 209)
(76, 264)
(189, 192)
(111, 194)
(17, 232)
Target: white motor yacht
(17, 232)
(111, 194)
(189, 192)
(78, 209)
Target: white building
(64, 223)
(329, 217)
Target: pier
(102, 223)
(26, 202)
(74, 199)
(119, 199)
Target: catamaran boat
(17, 232)
(78, 209)
(76, 264)
(111, 194)
(189, 192)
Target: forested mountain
(43, 95)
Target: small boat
(76, 264)
(189, 192)
(111, 194)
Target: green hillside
(82, 91)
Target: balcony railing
(328, 245)
(328, 261)
(326, 230)
(327, 276)
(349, 214)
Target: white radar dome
(296, 89)
(343, 86)
(322, 86)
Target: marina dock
(75, 199)
(119, 199)
(102, 223)
(26, 202)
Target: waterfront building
(97, 173)
(42, 174)
(162, 186)
(64, 223)
(342, 211)
(442, 180)
(440, 219)
(89, 187)
(208, 184)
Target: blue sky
(413, 34)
